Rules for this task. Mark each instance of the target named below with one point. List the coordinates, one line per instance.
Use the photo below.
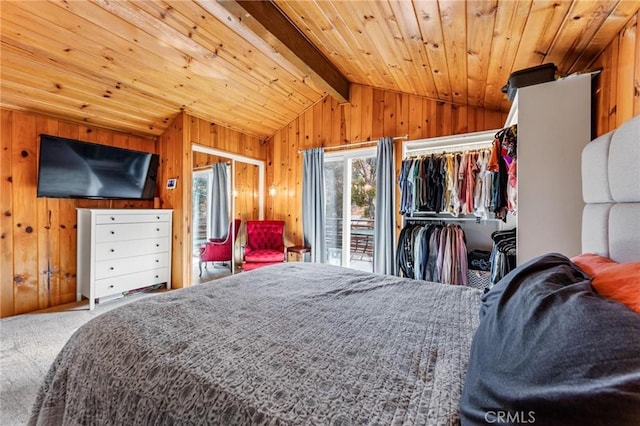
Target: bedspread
(290, 344)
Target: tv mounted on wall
(69, 168)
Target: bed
(301, 343)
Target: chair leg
(200, 266)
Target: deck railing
(361, 237)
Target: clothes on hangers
(472, 182)
(508, 138)
(503, 160)
(503, 254)
(433, 252)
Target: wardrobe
(553, 126)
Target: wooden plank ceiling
(134, 65)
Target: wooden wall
(372, 113)
(39, 234)
(176, 162)
(618, 93)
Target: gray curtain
(219, 200)
(385, 220)
(313, 204)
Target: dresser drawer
(131, 231)
(120, 249)
(115, 285)
(132, 218)
(128, 265)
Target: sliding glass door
(350, 185)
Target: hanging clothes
(478, 182)
(433, 252)
(482, 185)
(503, 254)
(503, 160)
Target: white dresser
(121, 250)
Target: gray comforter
(289, 344)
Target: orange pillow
(621, 283)
(592, 263)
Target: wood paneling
(175, 163)
(206, 133)
(135, 65)
(38, 235)
(372, 113)
(618, 91)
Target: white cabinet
(554, 125)
(121, 250)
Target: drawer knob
(157, 217)
(112, 250)
(157, 261)
(158, 229)
(157, 276)
(112, 268)
(111, 286)
(113, 232)
(113, 218)
(157, 245)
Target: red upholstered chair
(265, 243)
(219, 249)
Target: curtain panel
(385, 219)
(219, 200)
(313, 203)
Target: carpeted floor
(30, 342)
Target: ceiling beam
(268, 22)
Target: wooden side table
(298, 254)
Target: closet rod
(451, 148)
(448, 219)
(355, 144)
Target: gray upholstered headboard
(611, 191)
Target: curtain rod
(208, 166)
(355, 144)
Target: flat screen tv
(69, 168)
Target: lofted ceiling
(134, 65)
